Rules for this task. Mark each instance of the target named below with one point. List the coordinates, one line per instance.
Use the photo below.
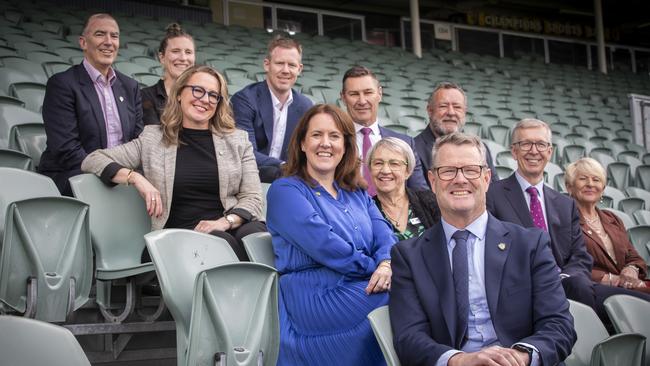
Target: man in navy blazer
(512, 308)
(90, 106)
(270, 110)
(361, 94)
(447, 108)
(508, 200)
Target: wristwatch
(230, 220)
(522, 348)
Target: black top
(153, 103)
(196, 181)
(423, 206)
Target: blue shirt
(480, 329)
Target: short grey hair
(446, 85)
(457, 139)
(396, 145)
(531, 123)
(93, 17)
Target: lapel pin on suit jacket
(502, 246)
(121, 98)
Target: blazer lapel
(219, 150)
(515, 197)
(552, 216)
(437, 263)
(266, 110)
(89, 92)
(169, 155)
(119, 95)
(497, 249)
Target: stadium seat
(44, 56)
(603, 155)
(31, 94)
(117, 252)
(629, 205)
(639, 192)
(593, 340)
(628, 221)
(19, 69)
(618, 174)
(10, 116)
(46, 262)
(52, 68)
(27, 342)
(235, 316)
(179, 256)
(130, 68)
(640, 236)
(380, 324)
(259, 248)
(571, 153)
(146, 79)
(616, 194)
(629, 315)
(642, 176)
(15, 159)
(642, 217)
(30, 139)
(503, 172)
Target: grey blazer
(239, 183)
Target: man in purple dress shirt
(90, 106)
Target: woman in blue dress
(332, 247)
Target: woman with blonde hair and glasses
(199, 170)
(391, 162)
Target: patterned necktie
(461, 282)
(366, 171)
(536, 208)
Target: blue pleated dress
(326, 250)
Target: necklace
(400, 207)
(591, 221)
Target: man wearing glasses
(473, 290)
(524, 199)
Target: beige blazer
(239, 183)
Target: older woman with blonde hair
(199, 170)
(616, 262)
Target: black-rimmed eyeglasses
(450, 172)
(528, 145)
(198, 92)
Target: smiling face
(323, 146)
(461, 200)
(447, 112)
(531, 164)
(198, 111)
(100, 43)
(178, 57)
(282, 69)
(361, 96)
(587, 188)
(391, 175)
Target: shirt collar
(477, 227)
(276, 102)
(373, 127)
(524, 184)
(97, 76)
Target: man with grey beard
(447, 108)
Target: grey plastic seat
(620, 349)
(571, 153)
(558, 183)
(146, 79)
(619, 174)
(130, 68)
(30, 139)
(640, 236)
(628, 221)
(46, 262)
(380, 324)
(642, 217)
(30, 93)
(642, 176)
(629, 205)
(235, 317)
(179, 256)
(11, 115)
(551, 170)
(605, 202)
(603, 156)
(495, 148)
(29, 342)
(616, 194)
(503, 172)
(52, 68)
(23, 70)
(593, 340)
(639, 192)
(117, 252)
(260, 248)
(630, 315)
(499, 134)
(15, 159)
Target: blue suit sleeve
(245, 112)
(293, 217)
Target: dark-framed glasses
(528, 145)
(198, 92)
(450, 172)
(393, 164)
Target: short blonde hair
(585, 165)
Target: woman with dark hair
(332, 247)
(176, 54)
(199, 170)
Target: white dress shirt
(280, 112)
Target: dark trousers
(234, 237)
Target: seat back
(111, 208)
(642, 177)
(30, 139)
(590, 331)
(620, 349)
(630, 315)
(628, 221)
(179, 255)
(630, 205)
(618, 174)
(260, 248)
(28, 342)
(642, 217)
(47, 239)
(640, 236)
(380, 323)
(15, 159)
(235, 314)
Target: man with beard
(447, 107)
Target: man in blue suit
(515, 199)
(89, 106)
(473, 290)
(361, 94)
(270, 110)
